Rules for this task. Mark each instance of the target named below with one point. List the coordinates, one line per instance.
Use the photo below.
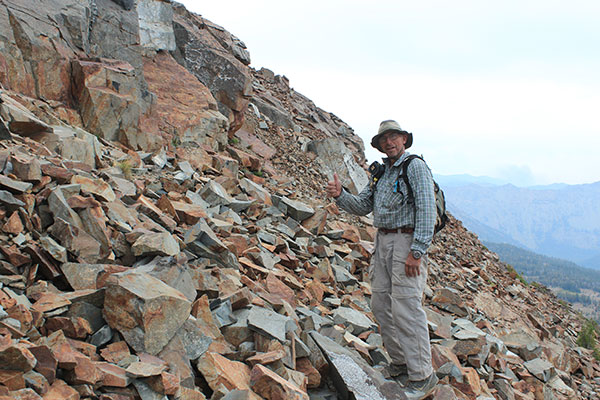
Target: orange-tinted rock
(46, 362)
(470, 384)
(164, 383)
(113, 375)
(115, 352)
(305, 366)
(271, 386)
(16, 357)
(217, 370)
(50, 301)
(13, 224)
(59, 390)
(144, 309)
(13, 380)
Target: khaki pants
(396, 304)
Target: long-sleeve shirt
(390, 203)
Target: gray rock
(143, 389)
(14, 186)
(239, 332)
(155, 243)
(540, 368)
(352, 376)
(505, 389)
(57, 252)
(268, 323)
(356, 321)
(8, 200)
(173, 274)
(57, 201)
(89, 312)
(343, 276)
(295, 209)
(222, 312)
(194, 341)
(215, 194)
(156, 25)
(4, 132)
(102, 336)
(335, 157)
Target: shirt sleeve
(421, 182)
(360, 204)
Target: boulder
(334, 157)
(156, 25)
(145, 310)
(214, 63)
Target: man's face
(392, 144)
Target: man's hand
(413, 266)
(334, 188)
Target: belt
(404, 229)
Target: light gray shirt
(390, 203)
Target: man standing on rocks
(398, 269)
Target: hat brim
(375, 140)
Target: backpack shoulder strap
(404, 173)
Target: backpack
(440, 200)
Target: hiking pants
(396, 304)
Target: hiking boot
(397, 372)
(417, 390)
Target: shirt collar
(399, 161)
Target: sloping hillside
(164, 232)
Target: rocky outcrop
(218, 60)
(213, 266)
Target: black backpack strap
(404, 174)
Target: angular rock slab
(353, 377)
(269, 385)
(145, 310)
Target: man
(398, 270)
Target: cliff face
(164, 231)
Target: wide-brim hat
(388, 126)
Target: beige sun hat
(387, 126)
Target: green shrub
(587, 335)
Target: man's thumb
(336, 178)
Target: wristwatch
(416, 254)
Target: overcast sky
(505, 89)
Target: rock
(215, 194)
(96, 187)
(449, 300)
(155, 243)
(26, 169)
(156, 25)
(271, 386)
(268, 323)
(208, 55)
(355, 320)
(16, 357)
(217, 370)
(295, 209)
(353, 377)
(14, 186)
(85, 276)
(146, 311)
(334, 157)
(504, 388)
(523, 344)
(540, 368)
(184, 105)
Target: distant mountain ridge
(556, 220)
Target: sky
(509, 89)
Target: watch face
(416, 254)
